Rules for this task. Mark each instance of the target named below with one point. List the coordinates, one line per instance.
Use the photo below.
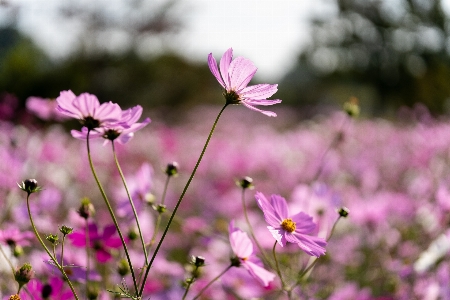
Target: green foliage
(386, 54)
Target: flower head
(293, 229)
(88, 109)
(121, 131)
(99, 242)
(234, 76)
(243, 249)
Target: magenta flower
(101, 243)
(234, 77)
(121, 131)
(88, 109)
(293, 229)
(53, 289)
(243, 249)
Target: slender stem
(190, 283)
(305, 271)
(61, 269)
(181, 198)
(7, 260)
(158, 219)
(111, 212)
(261, 250)
(212, 281)
(277, 267)
(131, 202)
(88, 261)
(62, 250)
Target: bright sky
(268, 32)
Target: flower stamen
(288, 225)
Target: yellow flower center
(288, 225)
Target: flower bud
(172, 169)
(123, 268)
(17, 251)
(132, 234)
(86, 209)
(65, 230)
(92, 292)
(351, 107)
(161, 208)
(198, 261)
(24, 274)
(343, 212)
(245, 183)
(52, 238)
(30, 186)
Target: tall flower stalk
(111, 212)
(131, 201)
(179, 200)
(30, 186)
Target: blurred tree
(387, 53)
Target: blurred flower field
(392, 176)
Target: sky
(268, 32)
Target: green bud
(17, 251)
(123, 268)
(24, 274)
(65, 230)
(343, 212)
(52, 238)
(86, 208)
(172, 169)
(351, 107)
(161, 208)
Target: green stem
(181, 198)
(131, 202)
(305, 271)
(111, 212)
(277, 267)
(8, 261)
(212, 281)
(61, 269)
(189, 283)
(261, 250)
(158, 219)
(62, 250)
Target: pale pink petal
(270, 215)
(108, 112)
(225, 62)
(280, 206)
(264, 102)
(241, 244)
(304, 223)
(312, 245)
(212, 63)
(267, 113)
(278, 234)
(86, 104)
(82, 135)
(259, 91)
(65, 104)
(241, 71)
(259, 273)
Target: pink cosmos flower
(292, 229)
(88, 109)
(55, 288)
(99, 242)
(45, 109)
(234, 77)
(121, 131)
(14, 237)
(243, 249)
